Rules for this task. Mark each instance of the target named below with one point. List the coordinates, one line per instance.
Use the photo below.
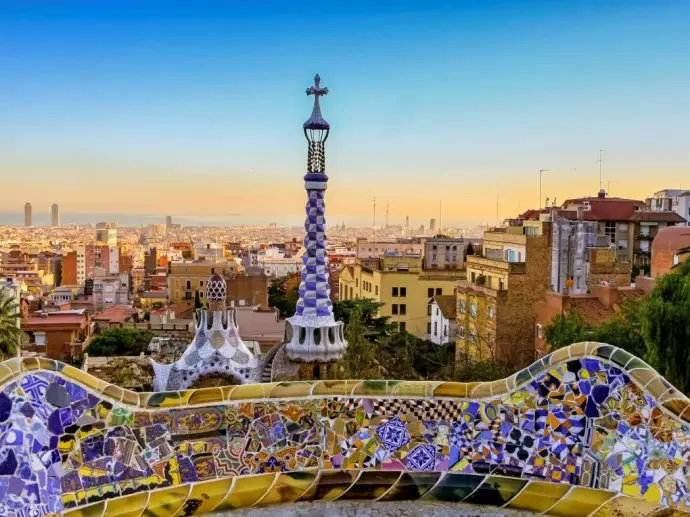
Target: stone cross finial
(316, 90)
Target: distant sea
(132, 220)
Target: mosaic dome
(216, 289)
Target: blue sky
(196, 107)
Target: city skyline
(458, 103)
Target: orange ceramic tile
(453, 389)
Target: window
(403, 291)
(438, 311)
(463, 306)
(490, 312)
(394, 308)
(610, 231)
(377, 290)
(473, 277)
(623, 244)
(439, 291)
(351, 293)
(428, 310)
(201, 283)
(433, 247)
(433, 257)
(213, 271)
(540, 331)
(428, 328)
(395, 291)
(455, 248)
(189, 284)
(461, 332)
(356, 282)
(435, 328)
(623, 227)
(403, 308)
(430, 292)
(402, 326)
(501, 285)
(473, 337)
(473, 309)
(201, 295)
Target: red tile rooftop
(115, 314)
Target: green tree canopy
(566, 329)
(376, 327)
(666, 326)
(10, 333)
(120, 341)
(359, 361)
(281, 298)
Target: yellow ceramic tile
(334, 388)
(499, 387)
(289, 487)
(538, 496)
(285, 390)
(251, 391)
(127, 506)
(130, 398)
(30, 363)
(114, 392)
(84, 378)
(331, 484)
(166, 502)
(246, 491)
(6, 375)
(627, 507)
(206, 496)
(163, 399)
(205, 396)
(144, 399)
(642, 376)
(577, 350)
(558, 356)
(453, 389)
(94, 510)
(47, 364)
(580, 502)
(14, 365)
(481, 390)
(406, 388)
(370, 388)
(372, 484)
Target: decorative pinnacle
(316, 121)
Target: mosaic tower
(312, 334)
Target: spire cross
(316, 90)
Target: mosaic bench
(587, 430)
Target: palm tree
(10, 333)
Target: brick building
(665, 249)
(495, 303)
(57, 335)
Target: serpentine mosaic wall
(587, 430)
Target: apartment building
(402, 285)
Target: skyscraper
(168, 222)
(313, 334)
(28, 218)
(55, 215)
(432, 225)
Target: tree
(376, 327)
(120, 341)
(359, 360)
(469, 250)
(197, 300)
(10, 333)
(566, 329)
(282, 297)
(666, 326)
(625, 329)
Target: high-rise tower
(312, 334)
(28, 216)
(54, 215)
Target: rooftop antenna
(600, 160)
(439, 216)
(374, 229)
(386, 215)
(496, 208)
(541, 172)
(608, 188)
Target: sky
(195, 108)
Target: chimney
(602, 194)
(580, 213)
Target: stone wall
(587, 429)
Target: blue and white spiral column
(312, 334)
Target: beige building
(496, 302)
(402, 285)
(374, 249)
(185, 278)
